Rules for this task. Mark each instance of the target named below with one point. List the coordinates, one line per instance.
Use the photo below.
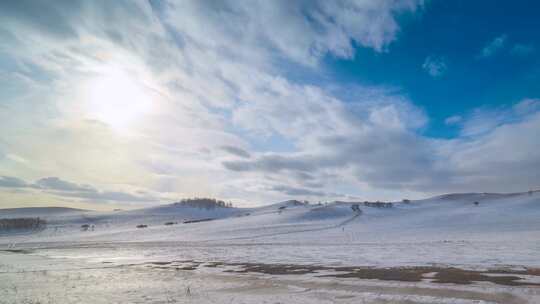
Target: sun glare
(117, 99)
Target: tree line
(206, 203)
(30, 223)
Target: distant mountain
(480, 195)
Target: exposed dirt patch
(460, 276)
(386, 274)
(404, 274)
(159, 263)
(275, 269)
(442, 275)
(22, 251)
(186, 268)
(176, 265)
(213, 264)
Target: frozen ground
(116, 262)
(36, 279)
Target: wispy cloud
(12, 182)
(205, 66)
(295, 191)
(55, 183)
(485, 119)
(452, 120)
(522, 49)
(236, 151)
(218, 81)
(494, 46)
(435, 66)
(62, 188)
(385, 157)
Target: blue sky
(134, 103)
(456, 32)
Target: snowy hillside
(499, 229)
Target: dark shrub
(22, 224)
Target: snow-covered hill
(501, 228)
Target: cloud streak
(62, 188)
(236, 151)
(493, 46)
(12, 182)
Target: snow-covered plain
(501, 232)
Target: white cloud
(203, 62)
(218, 77)
(12, 182)
(62, 188)
(452, 120)
(526, 106)
(383, 157)
(522, 49)
(435, 66)
(501, 160)
(485, 119)
(494, 46)
(16, 158)
(297, 30)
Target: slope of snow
(450, 229)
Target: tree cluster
(378, 204)
(30, 223)
(206, 203)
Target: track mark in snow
(288, 232)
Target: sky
(107, 104)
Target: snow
(450, 229)
(35, 279)
(502, 231)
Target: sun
(117, 99)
